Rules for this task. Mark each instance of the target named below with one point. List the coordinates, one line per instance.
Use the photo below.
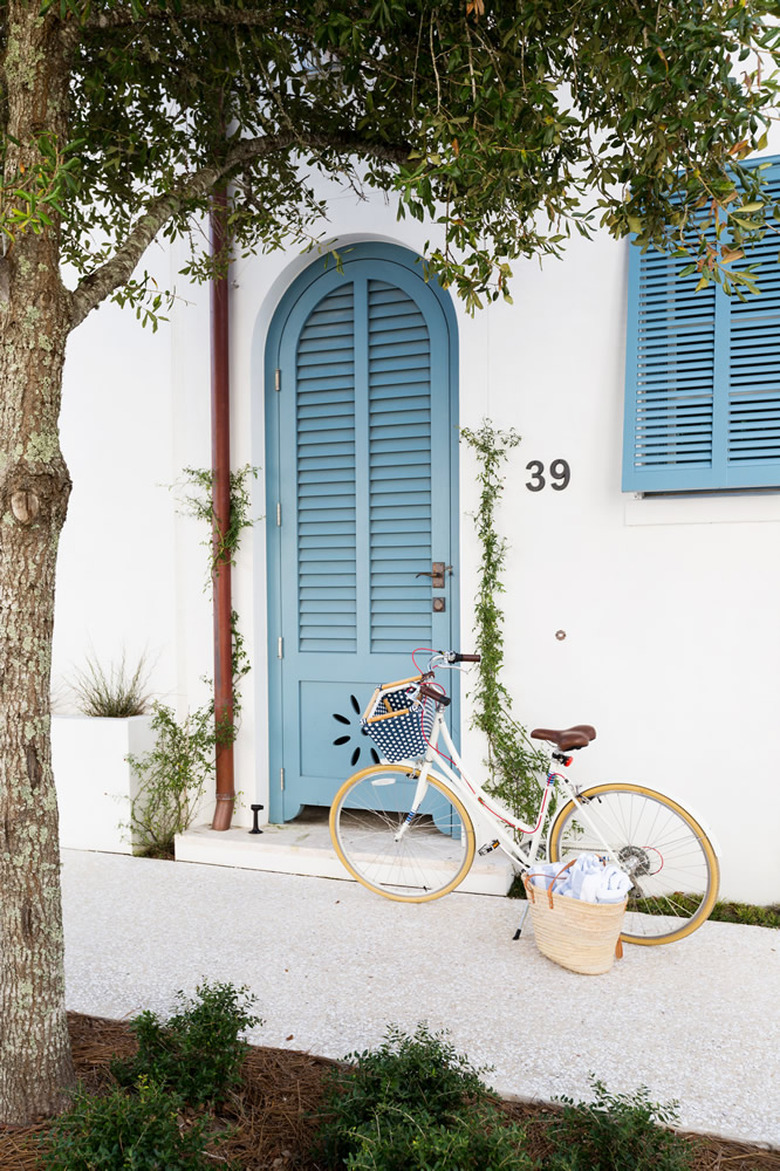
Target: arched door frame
(408, 264)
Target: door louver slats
(397, 451)
(327, 510)
(399, 398)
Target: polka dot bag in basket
(398, 722)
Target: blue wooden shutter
(670, 377)
(702, 377)
(327, 539)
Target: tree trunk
(35, 1061)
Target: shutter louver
(399, 397)
(327, 545)
(672, 375)
(754, 366)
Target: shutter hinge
(278, 513)
(280, 648)
(277, 379)
(281, 779)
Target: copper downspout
(220, 466)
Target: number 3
(537, 481)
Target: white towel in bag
(589, 879)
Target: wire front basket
(398, 722)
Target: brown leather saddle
(579, 736)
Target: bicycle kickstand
(519, 931)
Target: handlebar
(453, 657)
(442, 659)
(423, 686)
(434, 693)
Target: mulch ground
(271, 1123)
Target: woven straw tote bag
(583, 937)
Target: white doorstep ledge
(304, 847)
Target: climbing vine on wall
(196, 499)
(512, 759)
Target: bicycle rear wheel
(665, 851)
(411, 861)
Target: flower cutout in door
(350, 736)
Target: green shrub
(172, 778)
(618, 1132)
(403, 1142)
(414, 1103)
(125, 1132)
(421, 1074)
(197, 1053)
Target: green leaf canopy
(509, 124)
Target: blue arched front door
(361, 417)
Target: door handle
(436, 574)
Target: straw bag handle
(530, 887)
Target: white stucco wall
(667, 604)
(116, 582)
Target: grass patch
(748, 914)
(723, 912)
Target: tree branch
(205, 13)
(93, 289)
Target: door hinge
(281, 779)
(277, 379)
(280, 648)
(278, 514)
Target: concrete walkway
(332, 965)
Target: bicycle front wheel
(412, 860)
(665, 851)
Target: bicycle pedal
(488, 847)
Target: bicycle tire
(427, 863)
(671, 859)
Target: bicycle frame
(502, 824)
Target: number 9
(560, 473)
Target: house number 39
(559, 473)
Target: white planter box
(94, 782)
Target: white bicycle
(406, 829)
